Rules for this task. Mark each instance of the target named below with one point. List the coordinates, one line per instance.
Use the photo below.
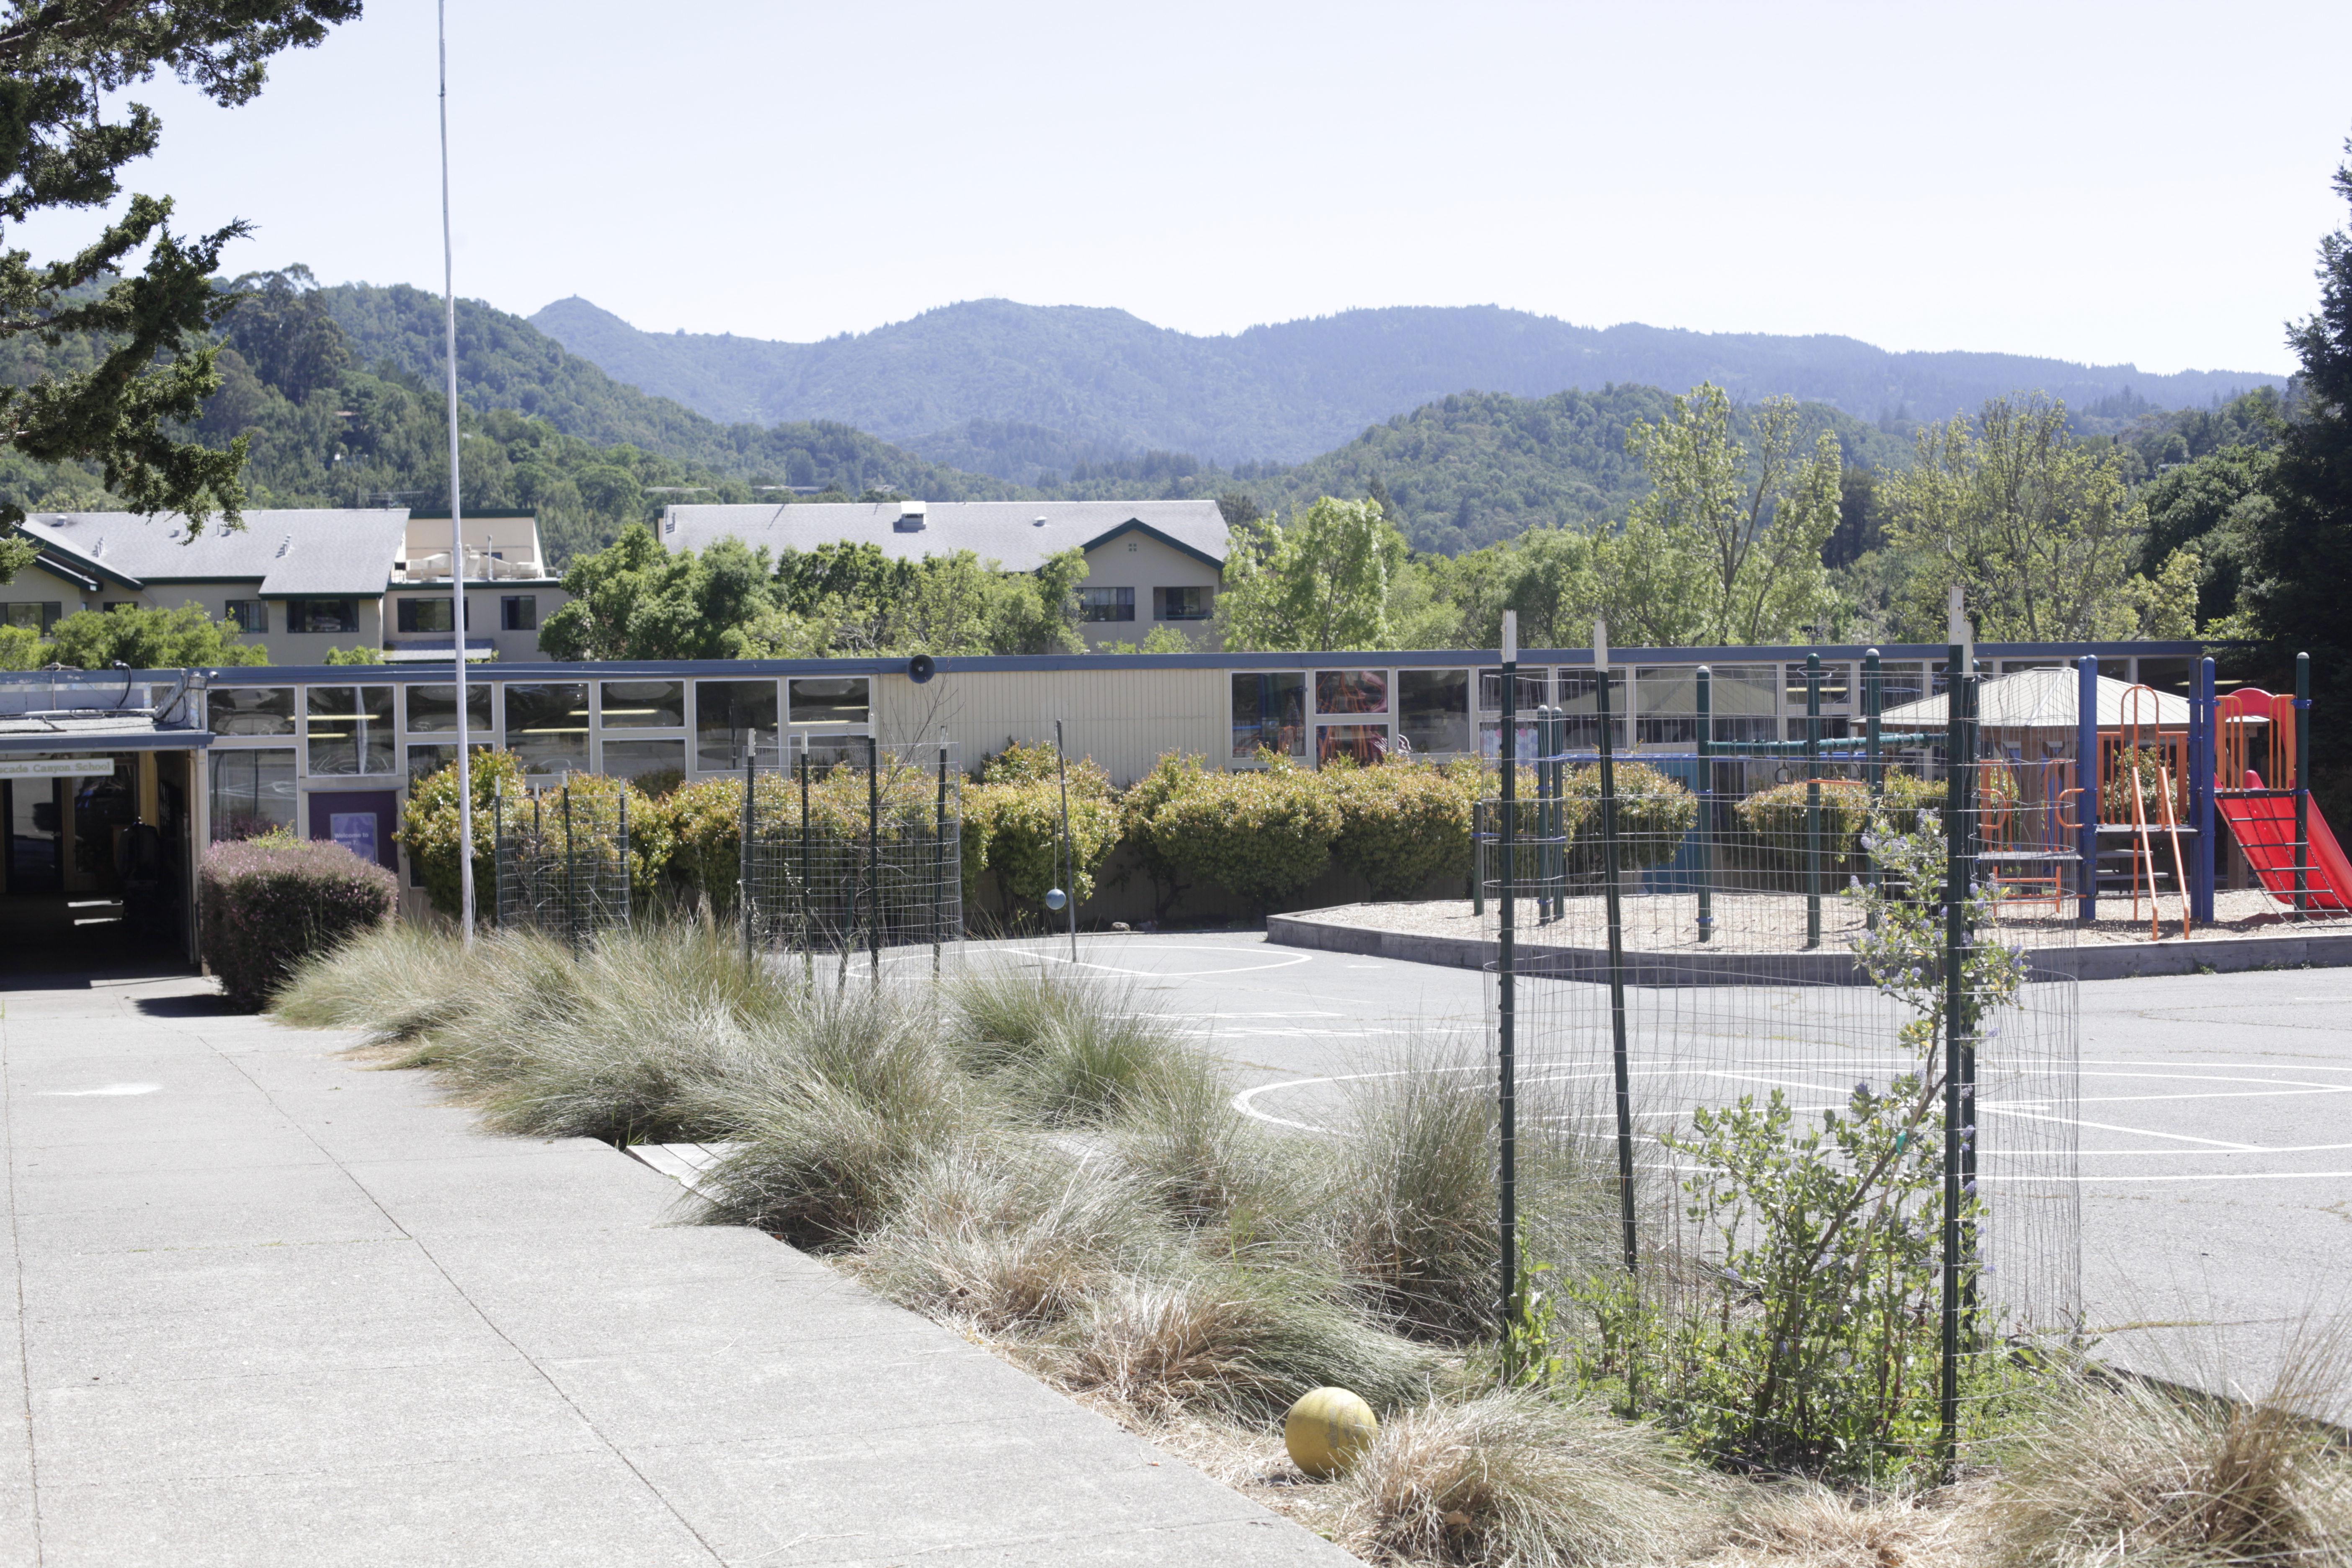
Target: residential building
(299, 582)
(1149, 564)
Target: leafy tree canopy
(61, 63)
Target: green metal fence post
(743, 862)
(940, 859)
(1506, 973)
(1812, 800)
(1706, 804)
(1609, 863)
(1873, 771)
(874, 914)
(1956, 897)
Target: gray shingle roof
(1004, 531)
(297, 551)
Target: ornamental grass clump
(2116, 1470)
(1526, 1479)
(394, 983)
(1061, 1050)
(268, 903)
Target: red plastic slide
(2265, 830)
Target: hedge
(428, 826)
(1654, 813)
(1260, 836)
(1774, 819)
(1403, 824)
(269, 902)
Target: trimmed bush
(1654, 814)
(1403, 824)
(1775, 818)
(428, 826)
(270, 903)
(1260, 836)
(702, 824)
(1018, 826)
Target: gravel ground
(1659, 922)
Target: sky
(2142, 182)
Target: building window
(547, 726)
(1364, 745)
(433, 710)
(1351, 691)
(1434, 710)
(250, 709)
(37, 616)
(518, 612)
(643, 704)
(733, 722)
(656, 767)
(1182, 603)
(1270, 714)
(113, 605)
(1106, 604)
(246, 615)
(351, 729)
(1534, 690)
(253, 790)
(334, 617)
(842, 701)
(433, 615)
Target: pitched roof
(290, 551)
(1017, 536)
(2046, 699)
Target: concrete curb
(1331, 932)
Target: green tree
(1727, 547)
(2034, 525)
(1321, 582)
(62, 63)
(2301, 554)
(183, 637)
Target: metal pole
(1973, 846)
(938, 857)
(743, 860)
(1812, 800)
(1956, 893)
(1706, 804)
(1874, 770)
(874, 858)
(808, 883)
(2303, 783)
(1506, 968)
(628, 885)
(1069, 850)
(2086, 789)
(456, 514)
(2203, 763)
(1609, 864)
(1546, 747)
(498, 856)
(571, 876)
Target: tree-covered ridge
(971, 383)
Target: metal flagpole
(457, 516)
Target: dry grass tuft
(2118, 1470)
(1244, 1343)
(1062, 1049)
(394, 983)
(1528, 1480)
(1798, 1524)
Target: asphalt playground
(2215, 1131)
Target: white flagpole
(457, 517)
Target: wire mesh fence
(854, 853)
(1800, 1008)
(563, 861)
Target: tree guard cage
(1800, 1014)
(858, 852)
(563, 859)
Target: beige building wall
(1125, 719)
(1136, 560)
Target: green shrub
(1775, 818)
(1170, 777)
(1403, 824)
(1017, 825)
(579, 823)
(1654, 814)
(1261, 835)
(270, 903)
(1035, 762)
(428, 825)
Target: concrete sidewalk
(274, 1308)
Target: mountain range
(1030, 393)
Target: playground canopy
(2045, 699)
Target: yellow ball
(1326, 1429)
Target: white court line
(1176, 974)
(1242, 1102)
(2135, 1131)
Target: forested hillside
(1010, 389)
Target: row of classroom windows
(1369, 715)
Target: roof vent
(1038, 522)
(286, 545)
(910, 517)
(98, 548)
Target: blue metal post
(2086, 797)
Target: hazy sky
(2141, 182)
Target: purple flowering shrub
(268, 903)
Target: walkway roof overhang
(74, 735)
